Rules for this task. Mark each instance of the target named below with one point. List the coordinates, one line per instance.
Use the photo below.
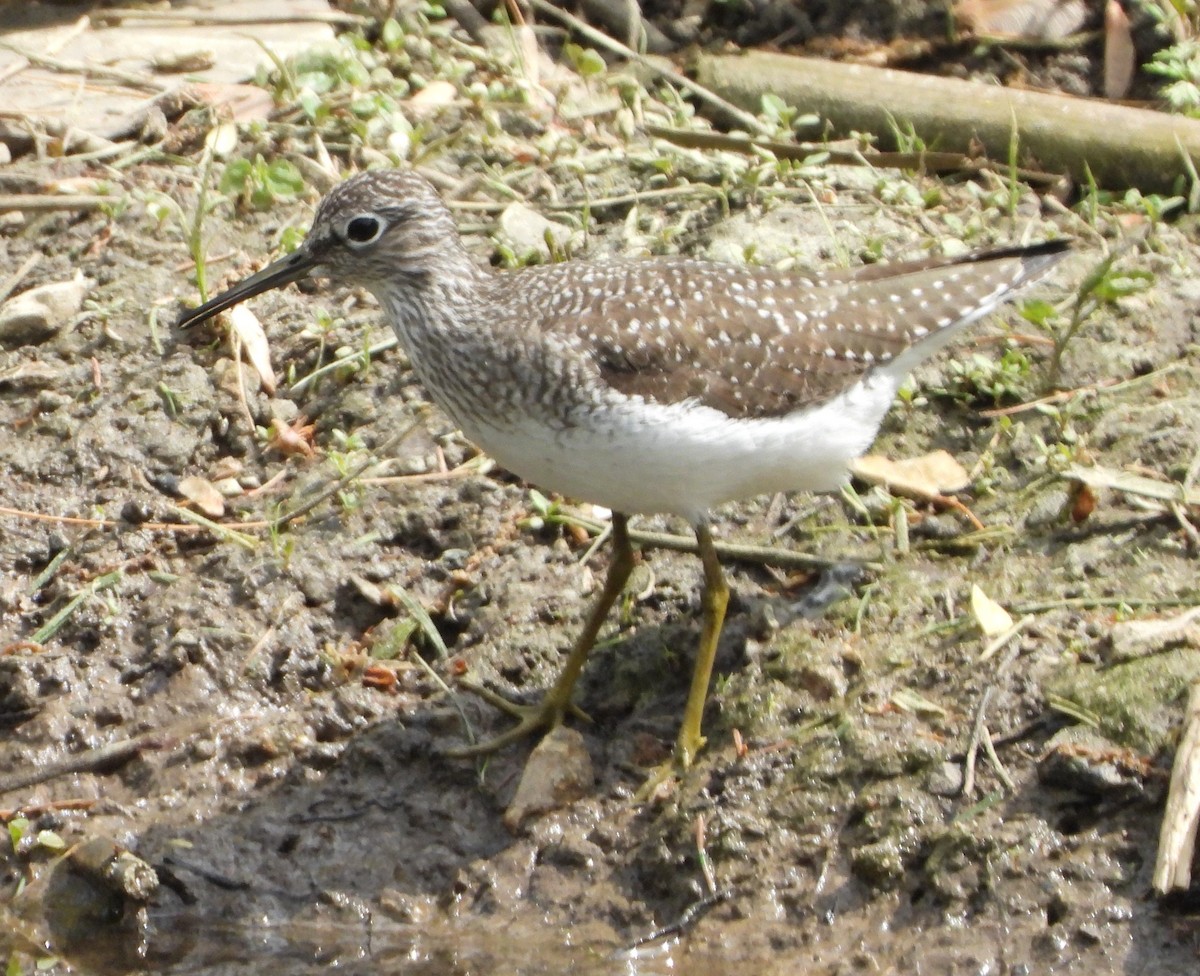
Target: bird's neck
(430, 301)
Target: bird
(663, 385)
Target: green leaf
(775, 108)
(284, 179)
(392, 34)
(50, 840)
(1036, 311)
(1120, 284)
(233, 180)
(310, 104)
(586, 61)
(17, 828)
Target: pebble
(558, 773)
(41, 313)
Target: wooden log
(1121, 146)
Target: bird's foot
(542, 717)
(664, 777)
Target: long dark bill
(295, 266)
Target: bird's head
(383, 229)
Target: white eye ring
(362, 230)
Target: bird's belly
(684, 459)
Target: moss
(1131, 699)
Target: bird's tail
(969, 287)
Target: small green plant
(1180, 64)
(290, 238)
(23, 840)
(283, 543)
(1154, 206)
(544, 511)
(785, 119)
(259, 185)
(170, 401)
(979, 379)
(587, 62)
(348, 442)
(1104, 286)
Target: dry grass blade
(1181, 819)
(55, 623)
(427, 627)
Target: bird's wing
(750, 344)
(760, 343)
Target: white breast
(686, 458)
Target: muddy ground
(287, 780)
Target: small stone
(558, 772)
(945, 779)
(41, 313)
(1085, 762)
(526, 230)
(409, 909)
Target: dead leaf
(1120, 57)
(226, 467)
(1133, 484)
(222, 139)
(435, 95)
(1048, 19)
(203, 495)
(557, 773)
(992, 618)
(293, 439)
(908, 700)
(79, 186)
(253, 338)
(925, 478)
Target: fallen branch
(1090, 140)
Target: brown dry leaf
(433, 96)
(992, 618)
(1047, 19)
(250, 333)
(1120, 57)
(294, 439)
(558, 772)
(203, 495)
(926, 477)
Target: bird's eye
(363, 230)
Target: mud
(290, 788)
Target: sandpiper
(662, 385)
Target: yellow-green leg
(713, 601)
(549, 712)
